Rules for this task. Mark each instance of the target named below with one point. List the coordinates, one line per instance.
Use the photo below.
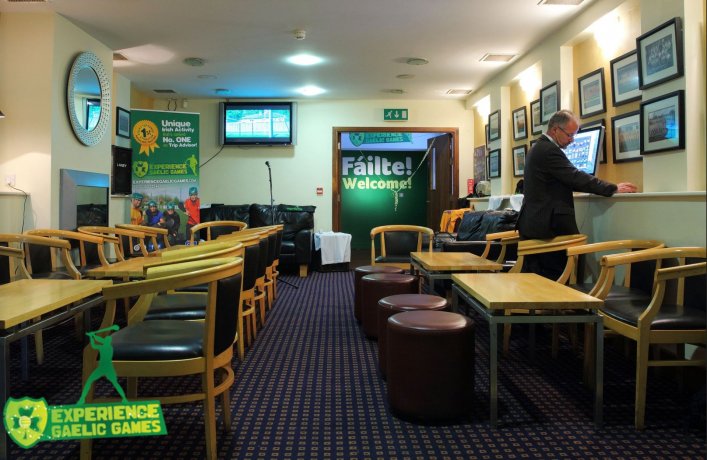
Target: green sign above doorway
(395, 114)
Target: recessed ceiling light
(458, 92)
(405, 76)
(304, 59)
(207, 77)
(310, 90)
(194, 61)
(222, 91)
(560, 2)
(497, 57)
(394, 91)
(417, 61)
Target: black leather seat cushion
(182, 306)
(669, 317)
(617, 292)
(55, 275)
(159, 340)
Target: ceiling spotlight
(417, 61)
(194, 61)
(304, 59)
(222, 91)
(310, 90)
(300, 34)
(405, 76)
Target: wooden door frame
(336, 160)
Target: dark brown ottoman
(388, 306)
(430, 364)
(360, 272)
(375, 287)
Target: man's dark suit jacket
(549, 180)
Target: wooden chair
(508, 239)
(91, 247)
(172, 348)
(673, 314)
(125, 242)
(532, 247)
(216, 228)
(396, 242)
(153, 235)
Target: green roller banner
(165, 149)
(381, 188)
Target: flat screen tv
(257, 123)
(583, 152)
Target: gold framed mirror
(88, 98)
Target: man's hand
(626, 187)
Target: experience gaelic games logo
(29, 421)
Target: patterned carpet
(310, 389)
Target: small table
(124, 269)
(24, 300)
(493, 295)
(441, 265)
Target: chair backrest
(224, 277)
(153, 235)
(12, 266)
(48, 253)
(543, 246)
(509, 243)
(251, 251)
(91, 247)
(196, 253)
(396, 242)
(216, 228)
(126, 243)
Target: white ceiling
(364, 43)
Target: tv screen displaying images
(583, 152)
(256, 123)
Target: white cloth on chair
(335, 247)
(495, 201)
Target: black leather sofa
(472, 231)
(298, 223)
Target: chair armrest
(474, 247)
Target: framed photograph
(536, 125)
(494, 126)
(122, 123)
(479, 164)
(494, 163)
(486, 128)
(660, 54)
(624, 79)
(602, 151)
(518, 160)
(520, 124)
(663, 123)
(626, 133)
(591, 94)
(549, 101)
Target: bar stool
(388, 306)
(376, 286)
(360, 272)
(430, 364)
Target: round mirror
(88, 98)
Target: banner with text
(165, 149)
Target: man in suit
(548, 182)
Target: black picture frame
(602, 152)
(494, 164)
(519, 152)
(520, 124)
(479, 164)
(122, 123)
(494, 126)
(660, 54)
(663, 123)
(486, 131)
(591, 90)
(536, 125)
(625, 86)
(549, 101)
(626, 135)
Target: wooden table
(493, 295)
(124, 269)
(25, 300)
(441, 265)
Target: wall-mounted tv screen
(583, 152)
(257, 123)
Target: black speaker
(121, 178)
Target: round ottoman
(375, 287)
(360, 272)
(430, 364)
(388, 306)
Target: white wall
(239, 175)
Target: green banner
(358, 139)
(381, 188)
(165, 149)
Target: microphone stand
(272, 214)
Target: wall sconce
(483, 108)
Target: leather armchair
(472, 231)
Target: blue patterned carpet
(310, 389)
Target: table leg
(4, 389)
(455, 300)
(599, 374)
(24, 357)
(493, 373)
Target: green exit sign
(395, 114)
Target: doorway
(392, 176)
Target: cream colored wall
(239, 175)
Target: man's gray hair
(561, 118)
